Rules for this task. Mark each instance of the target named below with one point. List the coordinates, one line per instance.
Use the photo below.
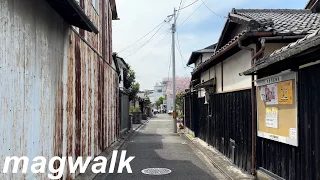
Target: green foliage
(130, 84)
(159, 101)
(134, 109)
(179, 101)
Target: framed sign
(277, 108)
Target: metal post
(174, 72)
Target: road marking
(156, 171)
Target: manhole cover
(156, 171)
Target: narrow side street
(155, 146)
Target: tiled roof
(309, 41)
(195, 54)
(279, 21)
(221, 49)
(285, 21)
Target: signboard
(285, 92)
(270, 94)
(277, 108)
(272, 117)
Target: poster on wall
(277, 118)
(285, 92)
(272, 117)
(269, 94)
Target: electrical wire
(156, 45)
(142, 37)
(145, 42)
(191, 13)
(179, 49)
(188, 5)
(170, 60)
(222, 17)
(182, 61)
(181, 4)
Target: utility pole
(174, 72)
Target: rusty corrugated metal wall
(58, 96)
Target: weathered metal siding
(31, 93)
(58, 96)
(302, 162)
(94, 97)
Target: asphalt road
(155, 145)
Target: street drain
(156, 171)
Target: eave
(114, 10)
(73, 14)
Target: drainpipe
(253, 132)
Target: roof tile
(285, 20)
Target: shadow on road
(155, 147)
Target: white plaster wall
(207, 75)
(198, 62)
(201, 93)
(206, 56)
(218, 78)
(234, 65)
(122, 77)
(271, 47)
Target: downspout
(253, 132)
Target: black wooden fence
(187, 110)
(125, 123)
(224, 123)
(302, 162)
(230, 126)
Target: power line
(156, 44)
(182, 58)
(222, 17)
(145, 42)
(179, 48)
(178, 10)
(192, 12)
(142, 37)
(181, 4)
(188, 5)
(170, 60)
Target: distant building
(122, 66)
(182, 83)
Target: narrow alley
(155, 146)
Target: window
(159, 90)
(95, 4)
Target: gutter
(254, 56)
(233, 44)
(253, 117)
(265, 39)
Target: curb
(118, 144)
(214, 164)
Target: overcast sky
(203, 28)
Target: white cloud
(140, 16)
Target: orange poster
(285, 92)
